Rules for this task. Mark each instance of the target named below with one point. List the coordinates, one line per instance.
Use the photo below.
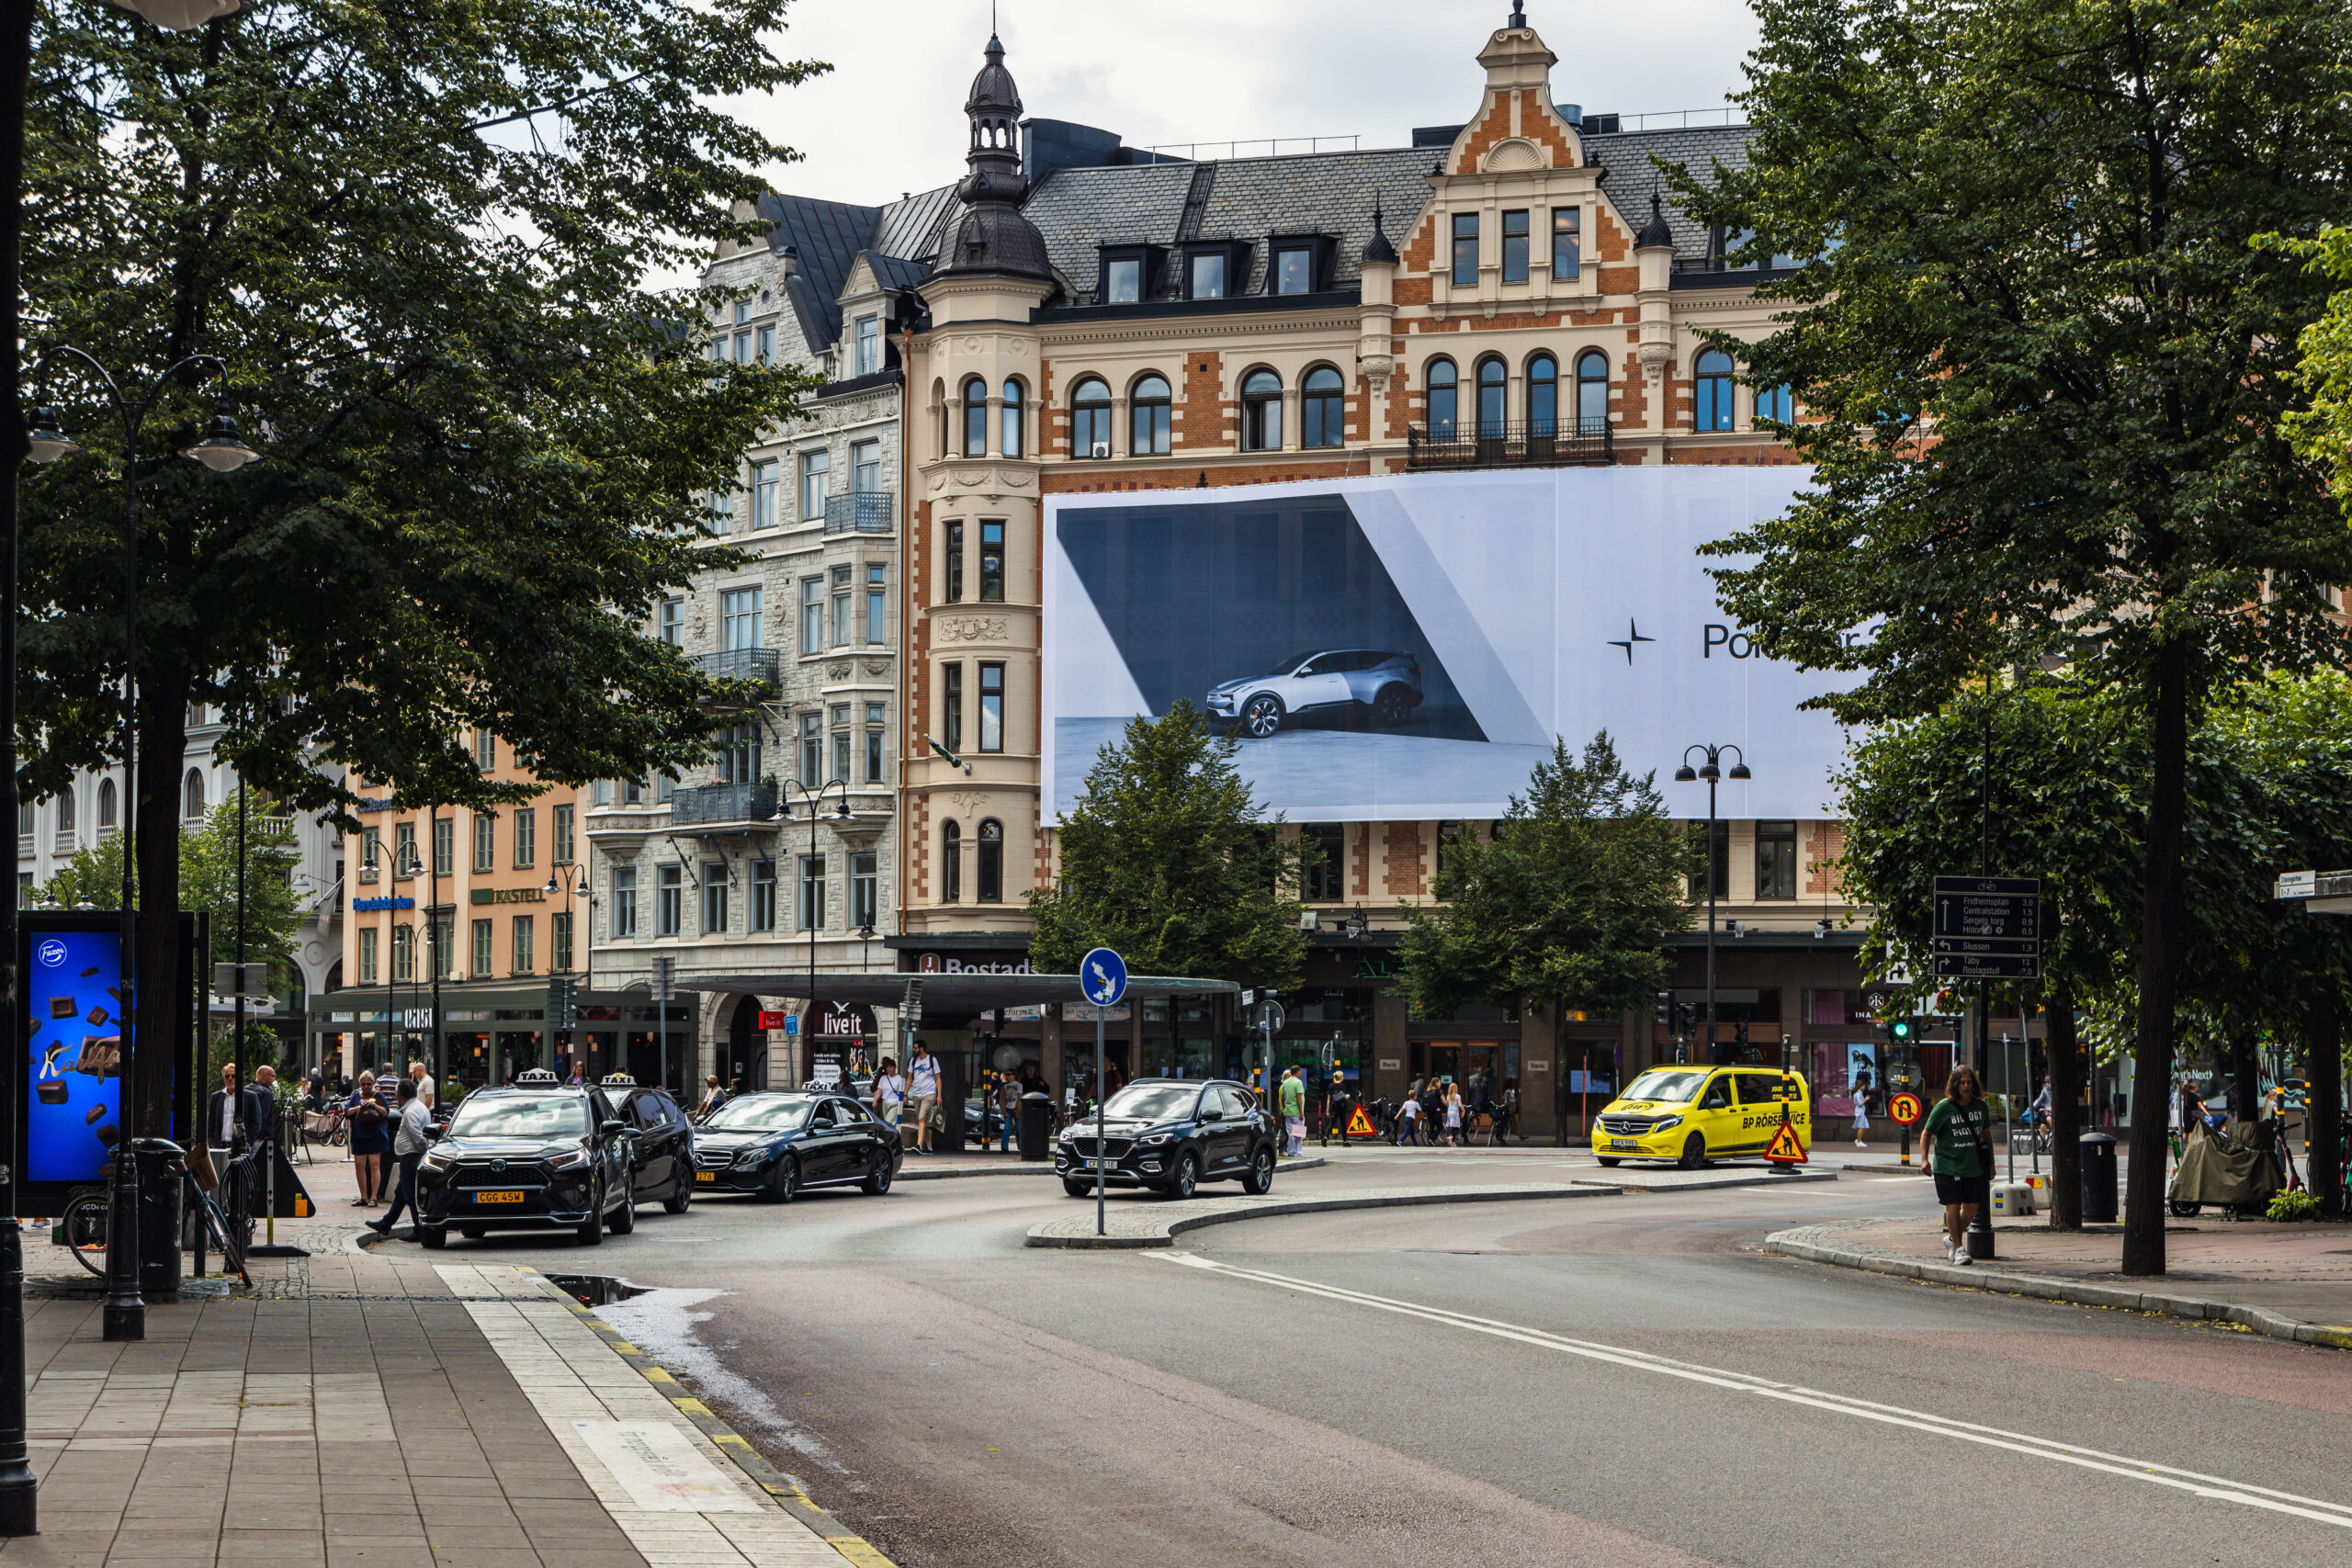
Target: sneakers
(1959, 1256)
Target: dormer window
(1302, 262)
(1123, 281)
(869, 346)
(1294, 270)
(1204, 275)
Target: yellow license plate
(705, 1176)
(498, 1197)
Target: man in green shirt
(1957, 1146)
(1294, 1106)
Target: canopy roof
(947, 993)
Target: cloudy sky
(888, 119)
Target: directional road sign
(1995, 968)
(1988, 928)
(1103, 975)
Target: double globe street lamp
(1710, 769)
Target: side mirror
(1212, 1114)
(615, 1129)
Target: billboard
(1407, 648)
(73, 987)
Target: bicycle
(83, 1222)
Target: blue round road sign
(1103, 975)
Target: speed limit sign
(1905, 1108)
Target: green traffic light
(1901, 1029)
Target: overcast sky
(889, 117)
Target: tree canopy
(207, 862)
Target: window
(445, 846)
(875, 729)
(670, 621)
(524, 957)
(951, 705)
(105, 803)
(367, 956)
(632, 792)
(816, 473)
(403, 952)
(1206, 274)
(1568, 255)
(560, 824)
(1713, 378)
(485, 841)
(1449, 854)
(1515, 247)
(1322, 416)
(1465, 250)
(65, 812)
(371, 845)
(765, 479)
(952, 562)
(441, 944)
(483, 960)
(559, 943)
(865, 467)
(719, 508)
(1326, 875)
(845, 606)
(714, 897)
(991, 563)
(992, 862)
(743, 312)
(668, 900)
(1492, 400)
(527, 837)
(1776, 860)
(742, 349)
(192, 796)
(405, 861)
(485, 749)
(1122, 280)
(869, 345)
(1443, 400)
(812, 615)
(1542, 395)
(877, 584)
(812, 749)
(976, 418)
(862, 889)
(1016, 411)
(1261, 412)
(1148, 418)
(738, 754)
(1295, 271)
(951, 863)
(991, 708)
(768, 346)
(812, 893)
(763, 895)
(1592, 392)
(841, 744)
(624, 901)
(1090, 419)
(738, 619)
(1721, 861)
(1773, 403)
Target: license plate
(705, 1176)
(498, 1197)
(1624, 1142)
(1091, 1164)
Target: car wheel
(623, 1218)
(783, 1182)
(473, 1233)
(1188, 1176)
(1259, 1179)
(2181, 1211)
(1608, 1162)
(679, 1201)
(1394, 706)
(1694, 1152)
(593, 1233)
(432, 1237)
(1261, 716)
(1079, 1189)
(878, 1176)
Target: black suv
(540, 1156)
(661, 1155)
(1171, 1134)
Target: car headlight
(1663, 1122)
(1148, 1139)
(571, 1159)
(434, 1159)
(750, 1156)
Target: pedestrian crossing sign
(1360, 1125)
(1785, 1148)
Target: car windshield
(758, 1115)
(535, 1116)
(1154, 1101)
(1675, 1087)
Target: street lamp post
(810, 798)
(1712, 771)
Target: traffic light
(1739, 1035)
(1666, 1011)
(1900, 1029)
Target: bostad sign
(940, 964)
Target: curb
(785, 1488)
(1046, 1168)
(1799, 1244)
(1165, 1232)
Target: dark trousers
(406, 1197)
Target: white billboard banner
(1407, 648)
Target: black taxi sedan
(537, 1156)
(778, 1144)
(1170, 1135)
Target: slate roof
(1627, 157)
(829, 236)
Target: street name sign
(1988, 928)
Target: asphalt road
(1606, 1380)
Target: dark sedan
(778, 1144)
(531, 1157)
(661, 1151)
(1170, 1135)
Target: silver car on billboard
(1350, 681)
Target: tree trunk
(2324, 1102)
(1560, 1071)
(2143, 1203)
(161, 996)
(2246, 1082)
(2065, 1116)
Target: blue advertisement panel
(74, 992)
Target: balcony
(756, 665)
(1509, 446)
(861, 512)
(722, 803)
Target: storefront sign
(363, 906)
(948, 964)
(771, 1020)
(1377, 966)
(385, 804)
(845, 1021)
(510, 895)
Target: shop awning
(956, 993)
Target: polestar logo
(1632, 635)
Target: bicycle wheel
(216, 1223)
(83, 1224)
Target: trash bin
(159, 1216)
(1036, 1125)
(2098, 1179)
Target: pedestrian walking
(889, 1094)
(1294, 1107)
(371, 1138)
(1008, 1112)
(408, 1148)
(423, 1078)
(1862, 1111)
(1409, 1116)
(922, 1094)
(713, 1097)
(1454, 1114)
(1957, 1146)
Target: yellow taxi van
(1692, 1114)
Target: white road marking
(662, 1468)
(2215, 1488)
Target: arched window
(951, 863)
(1090, 419)
(1322, 417)
(65, 812)
(1774, 404)
(1016, 415)
(1713, 376)
(1492, 411)
(192, 796)
(105, 803)
(1148, 406)
(1261, 412)
(1542, 395)
(1444, 407)
(991, 868)
(976, 418)
(1592, 392)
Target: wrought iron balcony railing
(754, 664)
(1473, 446)
(707, 805)
(861, 512)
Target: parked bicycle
(84, 1223)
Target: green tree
(416, 235)
(1169, 861)
(207, 880)
(2045, 371)
(1569, 905)
(2323, 431)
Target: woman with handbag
(371, 1139)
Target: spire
(1518, 15)
(993, 235)
(1656, 231)
(1377, 248)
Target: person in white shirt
(923, 1093)
(423, 1081)
(408, 1147)
(889, 1094)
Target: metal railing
(723, 803)
(758, 664)
(861, 512)
(1469, 445)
